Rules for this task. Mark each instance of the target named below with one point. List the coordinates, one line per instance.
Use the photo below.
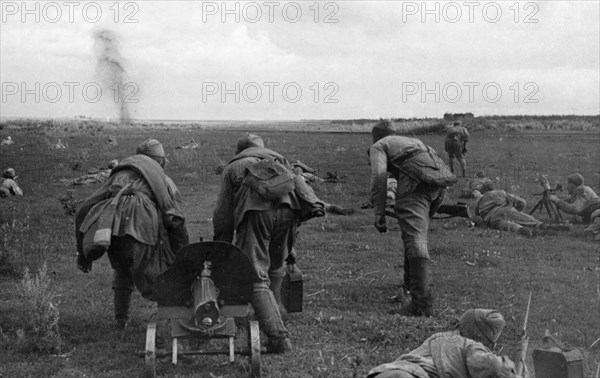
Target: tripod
(545, 203)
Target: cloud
(372, 49)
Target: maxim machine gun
(199, 297)
(544, 202)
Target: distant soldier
(8, 141)
(191, 145)
(456, 145)
(59, 145)
(583, 201)
(8, 185)
(310, 176)
(94, 175)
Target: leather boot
(421, 303)
(121, 300)
(268, 316)
(275, 286)
(406, 285)
(403, 296)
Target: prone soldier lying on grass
(479, 185)
(93, 176)
(503, 211)
(464, 352)
(310, 175)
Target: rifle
(524, 342)
(460, 210)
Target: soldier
(478, 186)
(461, 353)
(265, 229)
(94, 175)
(7, 142)
(8, 184)
(456, 145)
(583, 201)
(416, 201)
(502, 211)
(145, 227)
(593, 230)
(310, 175)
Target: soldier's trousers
(138, 264)
(511, 219)
(413, 212)
(267, 237)
(454, 149)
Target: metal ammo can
(292, 289)
(557, 361)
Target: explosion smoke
(110, 68)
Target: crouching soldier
(461, 353)
(583, 201)
(264, 228)
(136, 217)
(422, 178)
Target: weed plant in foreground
(40, 330)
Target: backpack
(97, 227)
(428, 168)
(270, 179)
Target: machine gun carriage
(199, 297)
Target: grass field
(351, 270)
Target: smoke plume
(110, 69)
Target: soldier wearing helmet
(455, 144)
(583, 201)
(8, 184)
(460, 353)
(144, 229)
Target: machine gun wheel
(254, 347)
(150, 355)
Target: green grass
(351, 270)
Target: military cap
(9, 173)
(152, 148)
(576, 179)
(481, 325)
(382, 129)
(247, 141)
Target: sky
(276, 60)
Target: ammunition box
(292, 289)
(557, 363)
